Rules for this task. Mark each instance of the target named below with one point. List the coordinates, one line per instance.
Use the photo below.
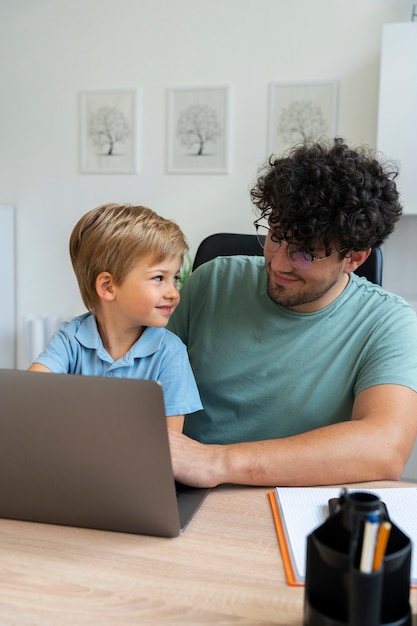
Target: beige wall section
(52, 49)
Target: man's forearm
(374, 445)
(331, 455)
(345, 452)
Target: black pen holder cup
(337, 593)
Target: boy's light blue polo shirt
(76, 348)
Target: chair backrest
(230, 244)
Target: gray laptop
(91, 452)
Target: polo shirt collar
(147, 344)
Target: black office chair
(230, 244)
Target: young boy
(127, 261)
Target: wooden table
(226, 568)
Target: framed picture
(109, 132)
(299, 111)
(198, 130)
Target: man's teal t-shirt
(266, 372)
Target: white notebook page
(302, 509)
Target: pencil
(381, 545)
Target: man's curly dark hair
(329, 194)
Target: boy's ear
(105, 286)
(355, 259)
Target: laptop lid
(91, 452)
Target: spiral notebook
(298, 511)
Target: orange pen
(381, 545)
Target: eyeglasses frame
(279, 241)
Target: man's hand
(194, 463)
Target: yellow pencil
(381, 545)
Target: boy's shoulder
(162, 336)
(170, 337)
(72, 326)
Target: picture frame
(198, 130)
(109, 131)
(299, 111)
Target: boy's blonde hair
(113, 237)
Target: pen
(381, 545)
(370, 532)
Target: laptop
(91, 452)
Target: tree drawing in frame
(198, 127)
(108, 132)
(300, 112)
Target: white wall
(52, 49)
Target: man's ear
(105, 286)
(355, 259)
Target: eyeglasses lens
(300, 258)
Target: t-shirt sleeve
(181, 395)
(390, 356)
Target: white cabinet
(397, 115)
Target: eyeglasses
(301, 259)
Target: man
(307, 373)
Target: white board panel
(8, 287)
